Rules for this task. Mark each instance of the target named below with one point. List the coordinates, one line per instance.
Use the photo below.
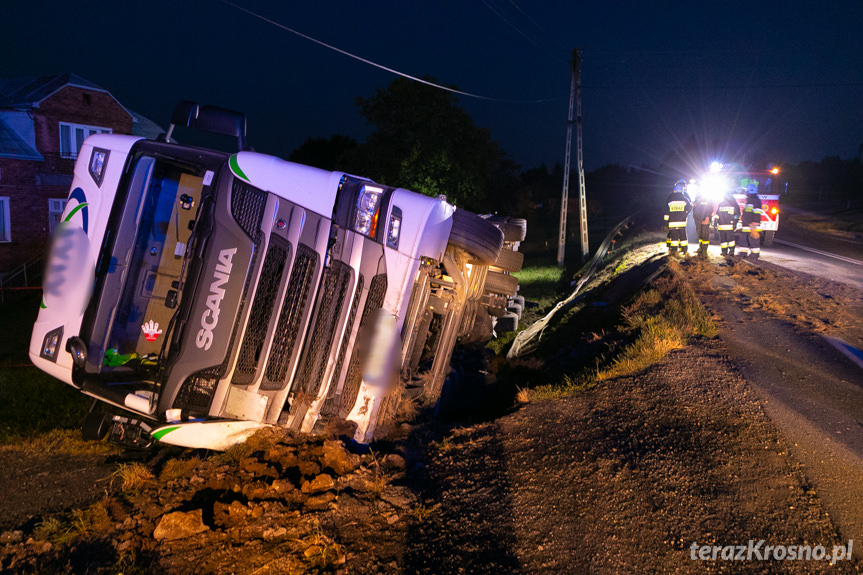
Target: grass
(541, 283)
(77, 522)
(658, 319)
(32, 403)
(135, 476)
(664, 317)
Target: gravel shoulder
(625, 478)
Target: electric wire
(385, 68)
(545, 32)
(729, 86)
(500, 15)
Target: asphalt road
(808, 388)
(813, 394)
(835, 256)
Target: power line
(500, 15)
(730, 86)
(382, 67)
(540, 28)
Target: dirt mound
(270, 505)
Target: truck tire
(514, 308)
(514, 229)
(509, 260)
(476, 236)
(767, 238)
(501, 283)
(96, 426)
(506, 324)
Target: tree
(324, 153)
(424, 141)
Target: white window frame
(56, 207)
(5, 231)
(73, 139)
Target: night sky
(780, 79)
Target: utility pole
(564, 196)
(582, 197)
(574, 96)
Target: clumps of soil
(282, 502)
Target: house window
(5, 234)
(72, 137)
(55, 213)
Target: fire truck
(736, 177)
(206, 294)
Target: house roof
(26, 92)
(17, 136)
(18, 95)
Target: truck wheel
(476, 236)
(509, 260)
(514, 308)
(506, 324)
(767, 238)
(96, 426)
(501, 283)
(514, 229)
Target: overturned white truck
(208, 294)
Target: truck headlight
(395, 228)
(51, 344)
(368, 210)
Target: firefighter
(750, 222)
(725, 221)
(677, 208)
(702, 213)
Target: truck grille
(247, 206)
(331, 404)
(261, 311)
(374, 301)
(296, 301)
(197, 391)
(335, 284)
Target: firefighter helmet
(752, 189)
(680, 186)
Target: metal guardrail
(526, 335)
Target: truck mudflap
(217, 435)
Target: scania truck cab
(207, 294)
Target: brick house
(43, 122)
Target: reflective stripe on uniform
(676, 206)
(676, 224)
(724, 227)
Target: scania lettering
(210, 318)
(214, 293)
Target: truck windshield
(148, 259)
